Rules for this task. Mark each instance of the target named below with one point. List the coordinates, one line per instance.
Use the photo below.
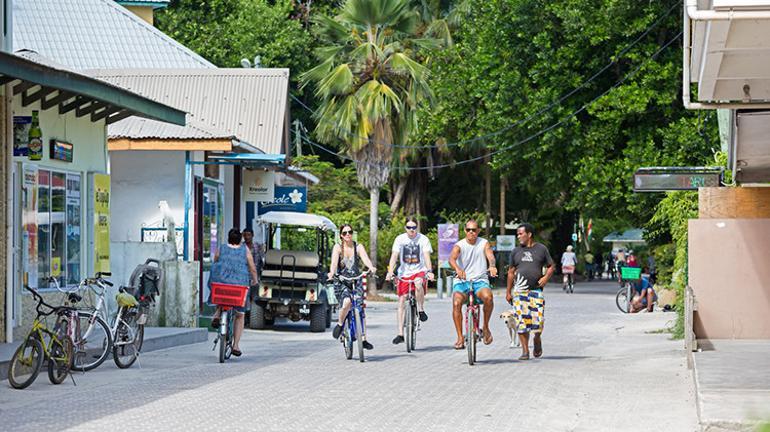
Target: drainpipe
(187, 204)
(692, 13)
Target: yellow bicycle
(58, 350)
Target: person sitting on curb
(645, 296)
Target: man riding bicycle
(472, 258)
(412, 251)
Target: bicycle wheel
(93, 342)
(229, 344)
(60, 359)
(621, 300)
(128, 339)
(347, 341)
(223, 337)
(414, 326)
(359, 335)
(25, 364)
(408, 326)
(470, 337)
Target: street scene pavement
(601, 370)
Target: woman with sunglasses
(345, 262)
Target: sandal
(487, 341)
(460, 346)
(237, 353)
(524, 356)
(538, 351)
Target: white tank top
(472, 259)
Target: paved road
(598, 366)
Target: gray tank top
(472, 259)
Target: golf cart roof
(301, 219)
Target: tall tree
(370, 88)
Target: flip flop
(488, 341)
(524, 357)
(538, 351)
(459, 347)
(237, 353)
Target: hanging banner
(29, 224)
(101, 206)
(258, 185)
(286, 198)
(448, 235)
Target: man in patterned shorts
(526, 275)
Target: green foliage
(225, 31)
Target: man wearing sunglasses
(472, 258)
(412, 251)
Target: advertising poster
(29, 224)
(21, 126)
(448, 235)
(101, 203)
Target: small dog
(510, 321)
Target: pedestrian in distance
(256, 248)
(233, 264)
(588, 257)
(411, 251)
(568, 263)
(472, 258)
(345, 257)
(527, 280)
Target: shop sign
(258, 185)
(61, 150)
(286, 198)
(29, 224)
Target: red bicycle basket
(228, 295)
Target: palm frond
(338, 82)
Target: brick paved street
(599, 366)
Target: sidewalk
(155, 338)
(732, 379)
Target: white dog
(509, 317)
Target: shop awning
(36, 79)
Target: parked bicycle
(625, 294)
(226, 296)
(58, 350)
(411, 319)
(353, 325)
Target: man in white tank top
(472, 258)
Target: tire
(347, 341)
(471, 338)
(92, 351)
(408, 326)
(318, 318)
(25, 363)
(328, 316)
(359, 335)
(414, 327)
(129, 337)
(60, 361)
(621, 300)
(257, 319)
(223, 333)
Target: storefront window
(58, 227)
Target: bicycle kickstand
(72, 378)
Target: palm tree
(370, 88)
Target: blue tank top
(232, 266)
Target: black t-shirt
(529, 263)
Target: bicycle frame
(100, 310)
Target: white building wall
(140, 180)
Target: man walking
(472, 258)
(412, 251)
(526, 274)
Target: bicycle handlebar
(349, 278)
(41, 302)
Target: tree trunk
(503, 185)
(374, 202)
(398, 195)
(488, 197)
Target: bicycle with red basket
(226, 296)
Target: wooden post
(503, 186)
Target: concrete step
(155, 338)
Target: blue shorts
(464, 287)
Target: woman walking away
(568, 263)
(345, 262)
(233, 264)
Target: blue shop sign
(286, 198)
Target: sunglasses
(471, 229)
(346, 232)
(411, 227)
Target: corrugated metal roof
(247, 103)
(140, 128)
(89, 34)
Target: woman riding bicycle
(233, 264)
(345, 262)
(568, 263)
